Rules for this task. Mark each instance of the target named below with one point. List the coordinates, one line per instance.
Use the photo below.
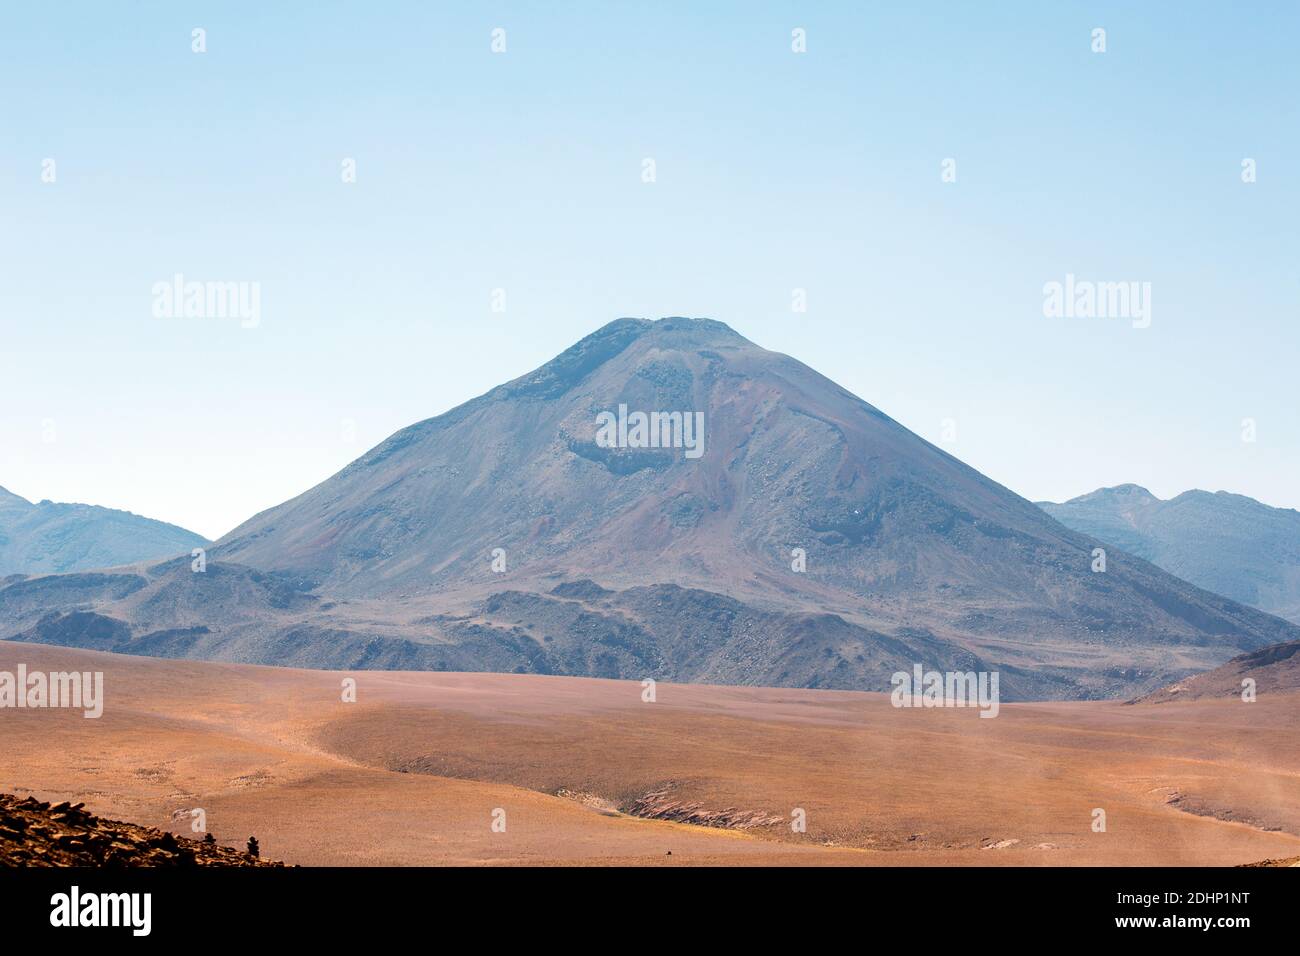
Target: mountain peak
(677, 325)
(683, 331)
(704, 328)
(589, 353)
(1128, 491)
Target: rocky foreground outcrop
(1287, 861)
(661, 804)
(33, 833)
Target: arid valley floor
(412, 772)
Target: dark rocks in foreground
(35, 833)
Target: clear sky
(522, 170)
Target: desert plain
(573, 771)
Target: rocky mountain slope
(1229, 544)
(813, 542)
(50, 538)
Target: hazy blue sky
(523, 171)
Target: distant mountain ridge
(815, 543)
(1230, 544)
(48, 538)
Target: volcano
(800, 538)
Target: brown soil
(414, 771)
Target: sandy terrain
(412, 772)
